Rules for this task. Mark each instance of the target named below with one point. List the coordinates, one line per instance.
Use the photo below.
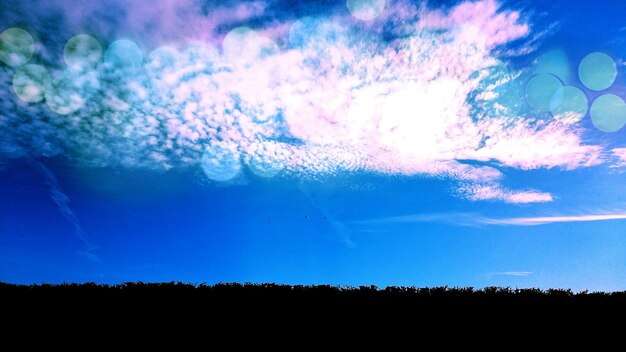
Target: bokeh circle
(540, 90)
(597, 71)
(16, 47)
(608, 113)
(30, 83)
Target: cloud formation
(299, 98)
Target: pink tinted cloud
(496, 26)
(396, 112)
(477, 191)
(527, 144)
(365, 105)
(620, 155)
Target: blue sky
(470, 143)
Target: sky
(360, 142)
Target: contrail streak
(61, 200)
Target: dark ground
(279, 312)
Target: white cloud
(543, 220)
(479, 191)
(512, 273)
(494, 27)
(471, 219)
(335, 99)
(620, 155)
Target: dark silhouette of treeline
(333, 309)
(339, 294)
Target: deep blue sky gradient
(151, 226)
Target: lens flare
(540, 90)
(30, 82)
(220, 162)
(243, 46)
(569, 105)
(16, 47)
(366, 10)
(82, 52)
(608, 113)
(123, 57)
(597, 71)
(554, 62)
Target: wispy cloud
(477, 191)
(493, 26)
(473, 219)
(459, 219)
(620, 155)
(511, 273)
(542, 220)
(60, 198)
